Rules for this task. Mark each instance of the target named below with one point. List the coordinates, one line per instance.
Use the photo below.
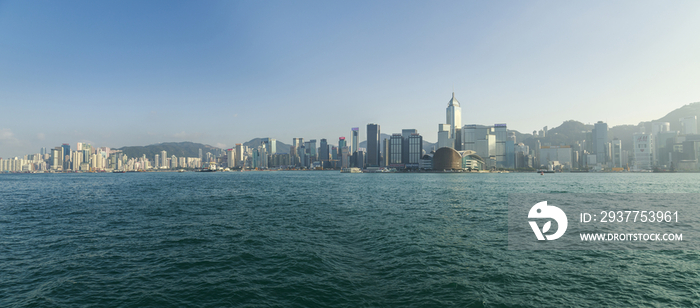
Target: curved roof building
(446, 158)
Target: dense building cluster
(460, 147)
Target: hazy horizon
(138, 73)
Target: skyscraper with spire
(454, 118)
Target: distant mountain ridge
(179, 149)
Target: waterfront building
(230, 158)
(395, 153)
(344, 157)
(164, 158)
(373, 155)
(355, 140)
(341, 143)
(600, 139)
(360, 159)
(643, 151)
(323, 153)
(405, 134)
(617, 153)
(415, 150)
(451, 159)
(501, 131)
(313, 155)
(238, 154)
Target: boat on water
(351, 170)
(118, 171)
(211, 168)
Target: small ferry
(351, 170)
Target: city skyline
(125, 74)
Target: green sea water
(315, 239)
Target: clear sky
(117, 73)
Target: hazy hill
(281, 146)
(673, 117)
(179, 149)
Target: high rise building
(323, 153)
(373, 135)
(361, 159)
(617, 153)
(454, 119)
(689, 125)
(238, 154)
(600, 138)
(344, 157)
(415, 150)
(341, 143)
(56, 161)
(501, 131)
(444, 139)
(297, 142)
(395, 150)
(405, 134)
(270, 145)
(164, 158)
(355, 140)
(313, 155)
(643, 151)
(65, 156)
(230, 158)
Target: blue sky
(117, 73)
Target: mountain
(674, 116)
(179, 149)
(281, 146)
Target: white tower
(454, 119)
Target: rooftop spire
(453, 101)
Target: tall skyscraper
(643, 151)
(600, 139)
(617, 153)
(164, 158)
(270, 145)
(373, 135)
(231, 158)
(297, 142)
(454, 118)
(323, 153)
(355, 140)
(405, 134)
(65, 156)
(395, 150)
(501, 131)
(415, 150)
(238, 153)
(312, 149)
